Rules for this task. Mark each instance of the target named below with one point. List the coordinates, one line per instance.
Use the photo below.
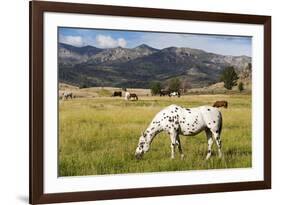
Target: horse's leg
(179, 146)
(173, 137)
(210, 142)
(218, 142)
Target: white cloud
(72, 40)
(122, 42)
(109, 42)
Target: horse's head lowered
(142, 147)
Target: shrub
(240, 86)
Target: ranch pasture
(98, 134)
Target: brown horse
(133, 96)
(222, 103)
(117, 93)
(164, 93)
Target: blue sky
(225, 45)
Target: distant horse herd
(133, 96)
(170, 94)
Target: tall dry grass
(99, 136)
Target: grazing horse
(117, 93)
(67, 95)
(164, 93)
(133, 96)
(175, 94)
(222, 103)
(129, 96)
(176, 120)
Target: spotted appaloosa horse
(176, 120)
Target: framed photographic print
(139, 102)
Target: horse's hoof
(208, 157)
(182, 156)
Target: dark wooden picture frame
(37, 9)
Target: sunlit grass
(99, 136)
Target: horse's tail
(220, 124)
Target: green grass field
(99, 136)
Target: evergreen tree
(155, 88)
(174, 85)
(229, 77)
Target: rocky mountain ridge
(138, 67)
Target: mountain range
(138, 67)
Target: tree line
(228, 76)
(173, 85)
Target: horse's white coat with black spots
(176, 120)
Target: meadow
(99, 135)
